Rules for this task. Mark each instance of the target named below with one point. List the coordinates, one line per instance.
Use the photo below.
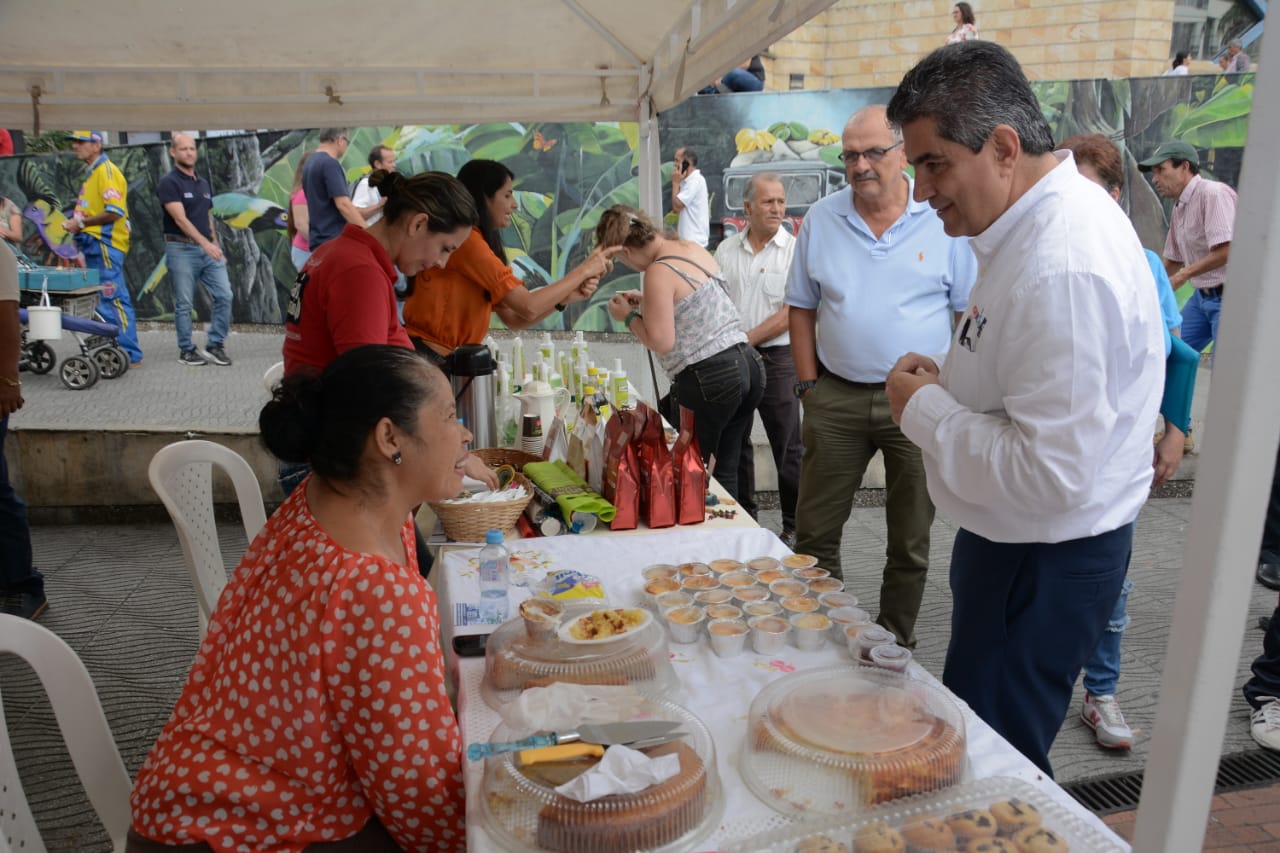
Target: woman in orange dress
(314, 717)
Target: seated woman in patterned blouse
(315, 716)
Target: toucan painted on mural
(246, 211)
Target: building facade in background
(862, 43)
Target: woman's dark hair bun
(387, 183)
(288, 422)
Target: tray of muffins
(998, 815)
(761, 605)
(580, 643)
(838, 740)
(523, 811)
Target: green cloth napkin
(572, 494)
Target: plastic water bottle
(494, 606)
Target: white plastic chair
(182, 475)
(273, 375)
(84, 729)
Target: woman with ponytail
(345, 295)
(452, 306)
(315, 716)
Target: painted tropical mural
(567, 174)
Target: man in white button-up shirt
(1036, 429)
(689, 198)
(755, 263)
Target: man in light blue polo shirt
(873, 272)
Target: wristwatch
(802, 388)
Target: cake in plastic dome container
(521, 810)
(838, 739)
(588, 644)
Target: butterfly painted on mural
(541, 143)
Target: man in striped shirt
(1200, 229)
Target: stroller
(100, 355)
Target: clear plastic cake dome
(520, 655)
(521, 810)
(839, 739)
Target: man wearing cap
(1200, 229)
(192, 252)
(101, 228)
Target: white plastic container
(44, 321)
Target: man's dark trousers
(1025, 618)
(780, 413)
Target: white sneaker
(1266, 723)
(1103, 715)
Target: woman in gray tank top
(684, 316)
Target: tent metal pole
(1232, 489)
(650, 165)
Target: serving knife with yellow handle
(606, 734)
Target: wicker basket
(468, 522)
(495, 457)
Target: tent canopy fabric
(160, 64)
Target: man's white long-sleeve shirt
(1040, 430)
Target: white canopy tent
(161, 64)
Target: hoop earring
(395, 458)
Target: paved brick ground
(1240, 822)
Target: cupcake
(878, 838)
(1040, 839)
(1014, 815)
(928, 835)
(972, 824)
(990, 845)
(820, 844)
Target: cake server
(605, 733)
(580, 749)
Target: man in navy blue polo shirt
(328, 199)
(193, 254)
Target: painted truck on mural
(807, 161)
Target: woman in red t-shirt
(452, 306)
(345, 296)
(315, 717)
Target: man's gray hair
(749, 192)
(333, 134)
(1235, 43)
(968, 88)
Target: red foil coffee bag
(690, 473)
(621, 477)
(657, 482)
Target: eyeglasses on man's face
(873, 155)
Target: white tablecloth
(718, 690)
